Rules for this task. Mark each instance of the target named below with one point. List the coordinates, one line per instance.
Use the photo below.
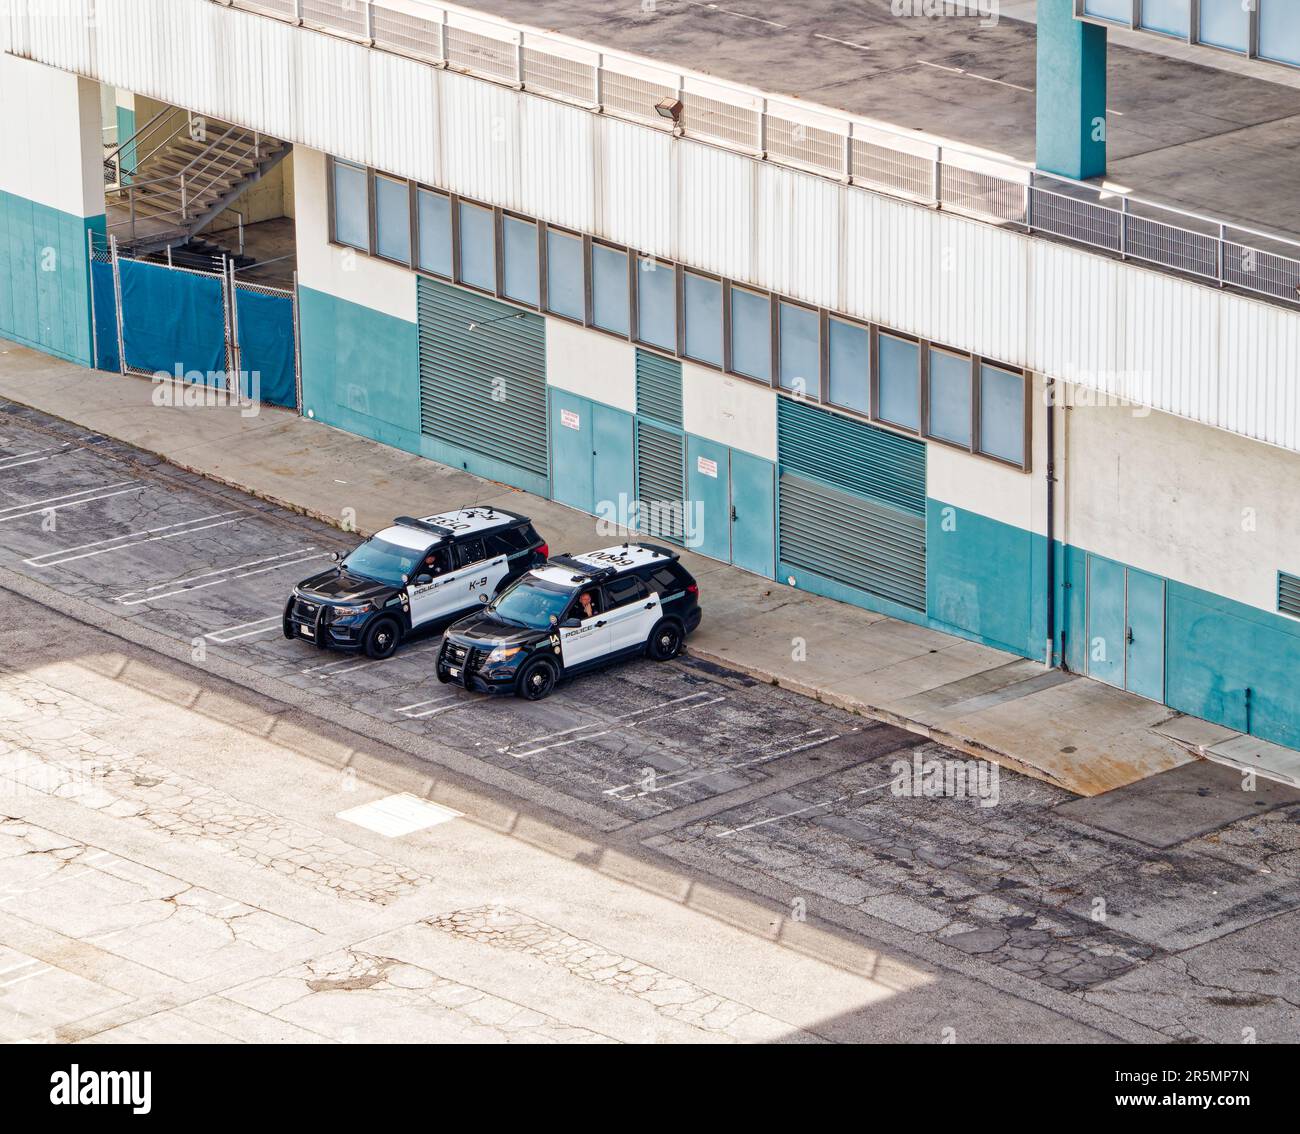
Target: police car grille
(474, 662)
(305, 609)
(456, 653)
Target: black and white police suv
(414, 576)
(574, 613)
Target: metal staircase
(177, 173)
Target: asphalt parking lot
(710, 772)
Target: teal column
(1071, 135)
(125, 131)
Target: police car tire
(536, 679)
(371, 640)
(666, 640)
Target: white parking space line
(27, 976)
(801, 810)
(14, 460)
(224, 575)
(54, 503)
(48, 560)
(459, 703)
(661, 778)
(224, 634)
(609, 725)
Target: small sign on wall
(569, 419)
(707, 467)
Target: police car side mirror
(420, 580)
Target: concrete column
(1071, 134)
(51, 193)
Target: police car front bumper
(466, 666)
(316, 623)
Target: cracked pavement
(658, 853)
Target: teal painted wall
(125, 130)
(986, 580)
(45, 278)
(1071, 92)
(360, 369)
(1216, 649)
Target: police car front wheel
(381, 638)
(536, 679)
(666, 640)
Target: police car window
(582, 609)
(470, 551)
(506, 542)
(436, 562)
(664, 581)
(531, 602)
(383, 561)
(620, 592)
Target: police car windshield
(531, 602)
(382, 561)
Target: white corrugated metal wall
(1185, 348)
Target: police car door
(631, 609)
(477, 572)
(588, 640)
(430, 600)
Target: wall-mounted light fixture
(670, 108)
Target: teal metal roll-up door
(483, 391)
(659, 388)
(660, 446)
(851, 506)
(659, 480)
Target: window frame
(331, 204)
(373, 188)
(634, 299)
(544, 269)
(418, 187)
(502, 216)
(832, 316)
(772, 381)
(1026, 402)
(456, 254)
(589, 246)
(822, 346)
(971, 378)
(922, 376)
(725, 334)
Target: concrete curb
(966, 744)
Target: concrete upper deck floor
(1181, 132)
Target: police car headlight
(502, 653)
(351, 611)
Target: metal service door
(753, 513)
(483, 385)
(572, 478)
(1144, 656)
(851, 508)
(1106, 624)
(709, 489)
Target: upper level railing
(818, 140)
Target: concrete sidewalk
(1060, 727)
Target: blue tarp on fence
(173, 318)
(266, 345)
(101, 281)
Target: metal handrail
(113, 158)
(508, 67)
(189, 180)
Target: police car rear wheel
(381, 638)
(536, 680)
(665, 641)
